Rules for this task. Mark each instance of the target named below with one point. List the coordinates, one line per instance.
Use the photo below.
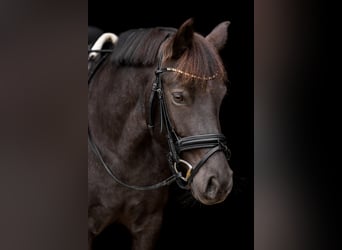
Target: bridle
(176, 144)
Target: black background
(43, 108)
(187, 225)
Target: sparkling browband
(205, 78)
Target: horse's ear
(219, 35)
(183, 38)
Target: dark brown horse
(154, 105)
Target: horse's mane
(139, 47)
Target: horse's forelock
(201, 61)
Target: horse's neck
(117, 116)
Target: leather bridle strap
(98, 154)
(204, 160)
(216, 142)
(200, 141)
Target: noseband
(177, 144)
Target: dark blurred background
(188, 225)
(43, 128)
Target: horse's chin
(207, 201)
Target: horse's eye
(178, 97)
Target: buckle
(180, 173)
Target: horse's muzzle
(212, 188)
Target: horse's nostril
(212, 187)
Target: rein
(97, 152)
(214, 142)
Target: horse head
(190, 83)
